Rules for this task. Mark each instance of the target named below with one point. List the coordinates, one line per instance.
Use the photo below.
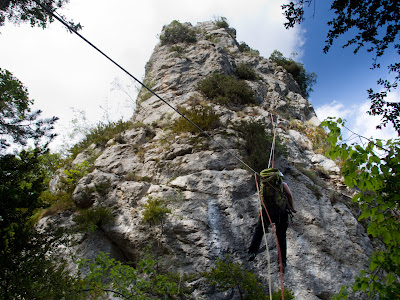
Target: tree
(26, 269)
(374, 24)
(376, 177)
(17, 123)
(33, 11)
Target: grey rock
(213, 199)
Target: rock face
(212, 198)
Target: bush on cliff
(177, 32)
(226, 90)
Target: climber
(279, 214)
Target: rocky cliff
(211, 196)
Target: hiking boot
(251, 256)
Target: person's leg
(281, 227)
(257, 237)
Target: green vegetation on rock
(226, 90)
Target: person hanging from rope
(277, 205)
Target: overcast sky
(62, 72)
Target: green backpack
(272, 191)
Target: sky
(70, 80)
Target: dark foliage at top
(177, 32)
(226, 90)
(19, 11)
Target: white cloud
(357, 120)
(61, 71)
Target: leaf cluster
(109, 276)
(155, 211)
(177, 32)
(227, 275)
(18, 11)
(226, 90)
(17, 123)
(377, 178)
(89, 220)
(304, 79)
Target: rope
(143, 85)
(272, 153)
(266, 243)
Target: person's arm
(289, 196)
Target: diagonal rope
(70, 28)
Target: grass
(201, 115)
(100, 135)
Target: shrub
(221, 22)
(243, 47)
(89, 220)
(226, 90)
(246, 72)
(143, 281)
(176, 32)
(227, 275)
(100, 135)
(304, 79)
(257, 144)
(201, 115)
(155, 211)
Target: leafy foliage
(19, 11)
(108, 276)
(304, 79)
(372, 24)
(227, 275)
(201, 115)
(17, 122)
(257, 144)
(177, 32)
(27, 270)
(155, 211)
(226, 90)
(378, 182)
(88, 220)
(246, 72)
